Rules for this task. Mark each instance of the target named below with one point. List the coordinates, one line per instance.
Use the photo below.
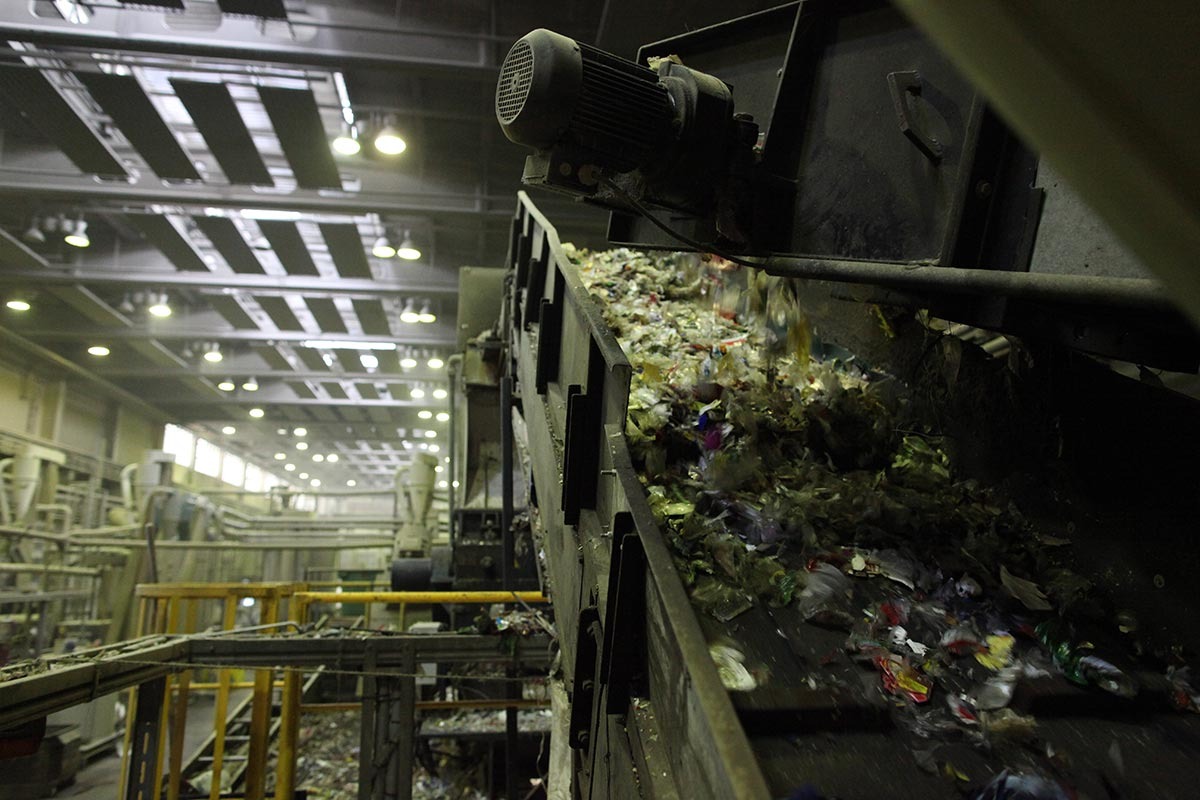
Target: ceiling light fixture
(318, 457)
(98, 350)
(346, 143)
(160, 308)
(407, 250)
(280, 456)
(433, 448)
(436, 363)
(17, 303)
(369, 361)
(229, 430)
(301, 445)
(408, 362)
(439, 394)
(227, 385)
(300, 431)
(77, 236)
(257, 413)
(383, 248)
(416, 393)
(427, 316)
(315, 483)
(352, 483)
(251, 384)
(388, 140)
(290, 467)
(33, 234)
(409, 313)
(334, 344)
(212, 353)
(332, 458)
(443, 416)
(425, 414)
(303, 476)
(430, 434)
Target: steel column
(143, 776)
(289, 731)
(368, 735)
(260, 714)
(506, 482)
(221, 711)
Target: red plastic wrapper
(900, 678)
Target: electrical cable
(669, 231)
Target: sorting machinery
(831, 142)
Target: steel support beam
(308, 286)
(365, 427)
(326, 36)
(277, 402)
(75, 190)
(70, 189)
(155, 373)
(71, 681)
(440, 335)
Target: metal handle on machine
(903, 86)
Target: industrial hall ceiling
(183, 210)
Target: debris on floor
(327, 764)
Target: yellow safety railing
(177, 608)
(180, 608)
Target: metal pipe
(127, 486)
(5, 510)
(330, 492)
(1137, 293)
(314, 524)
(67, 511)
(49, 569)
(337, 544)
(57, 538)
(84, 533)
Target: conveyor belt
(636, 651)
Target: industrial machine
(832, 142)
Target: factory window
(233, 469)
(255, 479)
(208, 458)
(179, 442)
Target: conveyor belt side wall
(646, 692)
